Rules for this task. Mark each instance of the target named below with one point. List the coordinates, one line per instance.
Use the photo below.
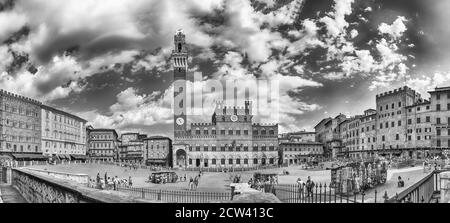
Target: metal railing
(420, 192)
(16, 164)
(176, 196)
(230, 169)
(321, 193)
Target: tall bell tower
(180, 67)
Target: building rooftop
(130, 133)
(301, 143)
(46, 107)
(440, 89)
(323, 121)
(30, 100)
(104, 130)
(158, 138)
(424, 102)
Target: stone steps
(8, 194)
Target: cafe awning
(28, 156)
(79, 157)
(64, 156)
(156, 161)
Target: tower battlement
(201, 124)
(222, 109)
(19, 97)
(398, 91)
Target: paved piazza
(209, 181)
(219, 182)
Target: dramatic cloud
(427, 83)
(82, 51)
(132, 109)
(335, 21)
(395, 30)
(10, 22)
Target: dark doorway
(3, 178)
(180, 158)
(197, 162)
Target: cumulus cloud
(5, 58)
(425, 83)
(269, 3)
(396, 29)
(72, 40)
(353, 33)
(54, 81)
(133, 109)
(98, 28)
(286, 105)
(336, 22)
(306, 39)
(10, 22)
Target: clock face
(180, 121)
(234, 118)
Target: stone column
(187, 161)
(174, 159)
(8, 175)
(445, 187)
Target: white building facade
(62, 133)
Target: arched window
(179, 47)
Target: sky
(108, 61)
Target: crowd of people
(308, 185)
(235, 178)
(110, 182)
(258, 184)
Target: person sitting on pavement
(400, 183)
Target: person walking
(301, 186)
(309, 186)
(191, 183)
(130, 182)
(196, 182)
